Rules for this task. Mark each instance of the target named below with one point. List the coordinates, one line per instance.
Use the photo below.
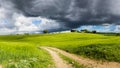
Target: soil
(86, 61)
(59, 62)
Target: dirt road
(59, 63)
(88, 62)
(0, 66)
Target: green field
(14, 54)
(22, 50)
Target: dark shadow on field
(109, 34)
(98, 51)
(18, 38)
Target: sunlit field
(17, 51)
(23, 55)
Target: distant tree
(94, 31)
(78, 31)
(85, 31)
(73, 30)
(17, 34)
(26, 33)
(45, 31)
(117, 34)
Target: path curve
(88, 62)
(59, 62)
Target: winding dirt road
(85, 61)
(59, 62)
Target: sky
(34, 16)
(100, 28)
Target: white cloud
(11, 21)
(25, 24)
(117, 28)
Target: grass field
(16, 49)
(23, 55)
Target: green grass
(23, 55)
(74, 63)
(24, 47)
(94, 46)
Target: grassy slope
(89, 45)
(14, 54)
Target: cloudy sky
(34, 16)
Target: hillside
(15, 48)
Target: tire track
(59, 62)
(0, 66)
(88, 62)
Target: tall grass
(23, 55)
(94, 46)
(17, 49)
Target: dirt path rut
(88, 62)
(0, 66)
(59, 63)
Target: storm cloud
(72, 11)
(67, 14)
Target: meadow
(22, 50)
(15, 54)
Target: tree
(73, 30)
(26, 33)
(117, 34)
(85, 31)
(45, 31)
(94, 31)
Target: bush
(94, 31)
(74, 30)
(45, 31)
(85, 31)
(26, 33)
(118, 34)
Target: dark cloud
(71, 13)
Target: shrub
(94, 31)
(45, 31)
(85, 31)
(26, 33)
(117, 34)
(74, 30)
